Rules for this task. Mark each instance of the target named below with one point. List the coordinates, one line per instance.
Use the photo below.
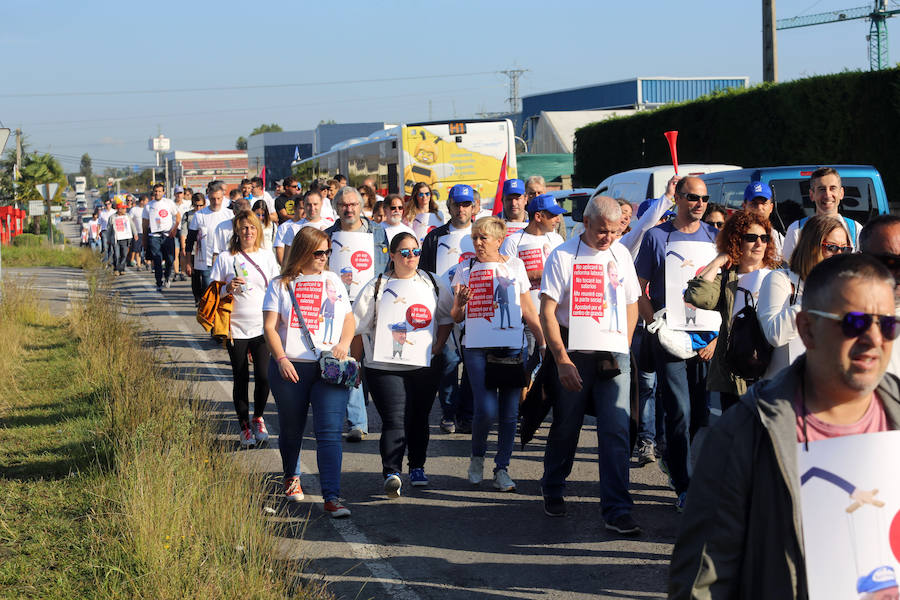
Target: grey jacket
(741, 535)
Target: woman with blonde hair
(294, 374)
(421, 211)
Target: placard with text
(493, 313)
(597, 310)
(404, 331)
(352, 259)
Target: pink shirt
(873, 421)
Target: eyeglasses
(751, 238)
(854, 324)
(717, 224)
(407, 252)
(891, 261)
(294, 187)
(695, 198)
(465, 203)
(423, 194)
(835, 249)
(396, 207)
(321, 253)
(348, 205)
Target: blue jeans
(611, 400)
(456, 401)
(494, 405)
(682, 385)
(356, 409)
(328, 331)
(651, 428)
(162, 248)
(329, 403)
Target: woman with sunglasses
(269, 227)
(715, 215)
(745, 247)
(421, 211)
(294, 374)
(822, 237)
(403, 393)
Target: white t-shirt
(269, 237)
(792, 236)
(121, 225)
(221, 235)
(325, 296)
(515, 269)
(136, 213)
(528, 244)
(183, 206)
(557, 281)
(322, 224)
(364, 312)
(392, 230)
(246, 315)
(267, 197)
(285, 229)
(161, 214)
(205, 222)
(104, 218)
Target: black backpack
(747, 351)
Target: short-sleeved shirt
(205, 222)
(269, 200)
(288, 228)
(556, 283)
(547, 242)
(137, 214)
(872, 421)
(104, 218)
(246, 315)
(392, 230)
(161, 215)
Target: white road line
(359, 544)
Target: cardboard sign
(597, 310)
(684, 260)
(425, 222)
(323, 308)
(850, 507)
(405, 329)
(352, 259)
(493, 313)
(452, 249)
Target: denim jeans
(682, 385)
(611, 400)
(456, 400)
(162, 248)
(356, 409)
(494, 405)
(329, 404)
(404, 400)
(120, 255)
(651, 427)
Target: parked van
(864, 195)
(637, 185)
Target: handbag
(344, 372)
(747, 351)
(505, 369)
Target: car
(638, 185)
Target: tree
(270, 128)
(36, 169)
(241, 143)
(328, 122)
(85, 169)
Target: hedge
(850, 117)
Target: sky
(203, 73)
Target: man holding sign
(591, 358)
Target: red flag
(498, 197)
(263, 175)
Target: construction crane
(878, 34)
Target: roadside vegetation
(113, 483)
(30, 250)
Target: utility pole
(18, 165)
(513, 99)
(770, 46)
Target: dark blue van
(864, 195)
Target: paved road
(450, 540)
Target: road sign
(35, 208)
(4, 135)
(47, 190)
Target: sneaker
(417, 478)
(167, 283)
(623, 524)
(247, 440)
(503, 482)
(259, 429)
(159, 289)
(292, 490)
(646, 453)
(356, 435)
(476, 470)
(554, 506)
(392, 485)
(336, 508)
(681, 501)
(464, 427)
(448, 425)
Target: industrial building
(197, 168)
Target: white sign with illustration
(323, 313)
(850, 506)
(514, 226)
(352, 259)
(534, 256)
(493, 314)
(748, 284)
(452, 249)
(684, 260)
(404, 330)
(425, 222)
(597, 310)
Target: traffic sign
(35, 208)
(47, 190)
(4, 135)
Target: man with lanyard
(758, 200)
(284, 203)
(514, 206)
(107, 240)
(536, 186)
(199, 248)
(682, 383)
(453, 239)
(826, 192)
(258, 192)
(348, 203)
(160, 225)
(595, 373)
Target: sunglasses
(396, 207)
(407, 252)
(891, 261)
(465, 203)
(321, 253)
(751, 238)
(835, 249)
(854, 324)
(695, 198)
(423, 194)
(717, 224)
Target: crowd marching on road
(337, 295)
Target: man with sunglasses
(758, 200)
(284, 203)
(741, 533)
(881, 239)
(393, 217)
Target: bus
(439, 153)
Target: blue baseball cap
(880, 578)
(178, 190)
(462, 193)
(513, 186)
(544, 202)
(346, 270)
(757, 189)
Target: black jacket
(428, 259)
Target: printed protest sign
(323, 306)
(425, 222)
(404, 331)
(352, 259)
(597, 310)
(684, 260)
(493, 313)
(513, 227)
(452, 249)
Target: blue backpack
(851, 227)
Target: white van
(637, 185)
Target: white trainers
(247, 439)
(259, 430)
(503, 482)
(476, 470)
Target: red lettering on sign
(481, 294)
(588, 290)
(309, 298)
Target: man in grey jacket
(741, 534)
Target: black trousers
(240, 368)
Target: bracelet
(281, 358)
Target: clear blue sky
(65, 47)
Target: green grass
(47, 256)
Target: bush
(29, 240)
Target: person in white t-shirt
(223, 230)
(544, 215)
(393, 217)
(269, 226)
(478, 212)
(160, 223)
(137, 214)
(183, 204)
(107, 240)
(198, 246)
(288, 228)
(122, 234)
(245, 270)
(258, 192)
(421, 212)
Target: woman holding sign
(403, 319)
(294, 374)
(491, 347)
(746, 256)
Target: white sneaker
(476, 470)
(247, 439)
(503, 482)
(259, 430)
